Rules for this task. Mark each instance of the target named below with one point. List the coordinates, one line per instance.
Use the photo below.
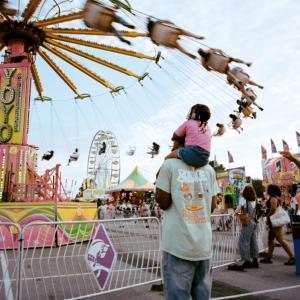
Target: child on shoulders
(195, 150)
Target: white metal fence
(61, 272)
(47, 260)
(9, 258)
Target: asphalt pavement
(226, 283)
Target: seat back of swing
(97, 16)
(164, 34)
(242, 77)
(237, 123)
(218, 62)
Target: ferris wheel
(103, 166)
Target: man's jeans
(183, 278)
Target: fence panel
(226, 232)
(61, 272)
(224, 239)
(9, 257)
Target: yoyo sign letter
(100, 256)
(7, 96)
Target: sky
(263, 32)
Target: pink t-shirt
(193, 135)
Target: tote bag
(280, 217)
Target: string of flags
(264, 156)
(285, 147)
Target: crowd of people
(129, 211)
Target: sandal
(290, 262)
(266, 260)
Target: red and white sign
(101, 256)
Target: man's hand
(290, 157)
(286, 154)
(163, 198)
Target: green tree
(257, 185)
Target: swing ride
(55, 34)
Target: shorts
(194, 156)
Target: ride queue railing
(48, 259)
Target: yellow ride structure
(46, 36)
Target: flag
(298, 138)
(273, 147)
(285, 146)
(263, 152)
(230, 158)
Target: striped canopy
(135, 182)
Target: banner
(280, 171)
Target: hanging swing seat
(165, 34)
(98, 16)
(218, 62)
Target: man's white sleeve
(163, 181)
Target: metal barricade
(226, 232)
(224, 239)
(9, 260)
(61, 272)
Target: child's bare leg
(255, 84)
(259, 107)
(190, 34)
(173, 154)
(185, 52)
(240, 61)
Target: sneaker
(290, 262)
(263, 254)
(254, 264)
(266, 260)
(247, 264)
(235, 267)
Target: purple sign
(100, 256)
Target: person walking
(247, 241)
(272, 203)
(187, 195)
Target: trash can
(296, 238)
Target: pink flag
(273, 147)
(285, 146)
(263, 153)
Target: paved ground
(131, 244)
(233, 283)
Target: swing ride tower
(26, 196)
(16, 156)
(23, 39)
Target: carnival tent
(135, 182)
